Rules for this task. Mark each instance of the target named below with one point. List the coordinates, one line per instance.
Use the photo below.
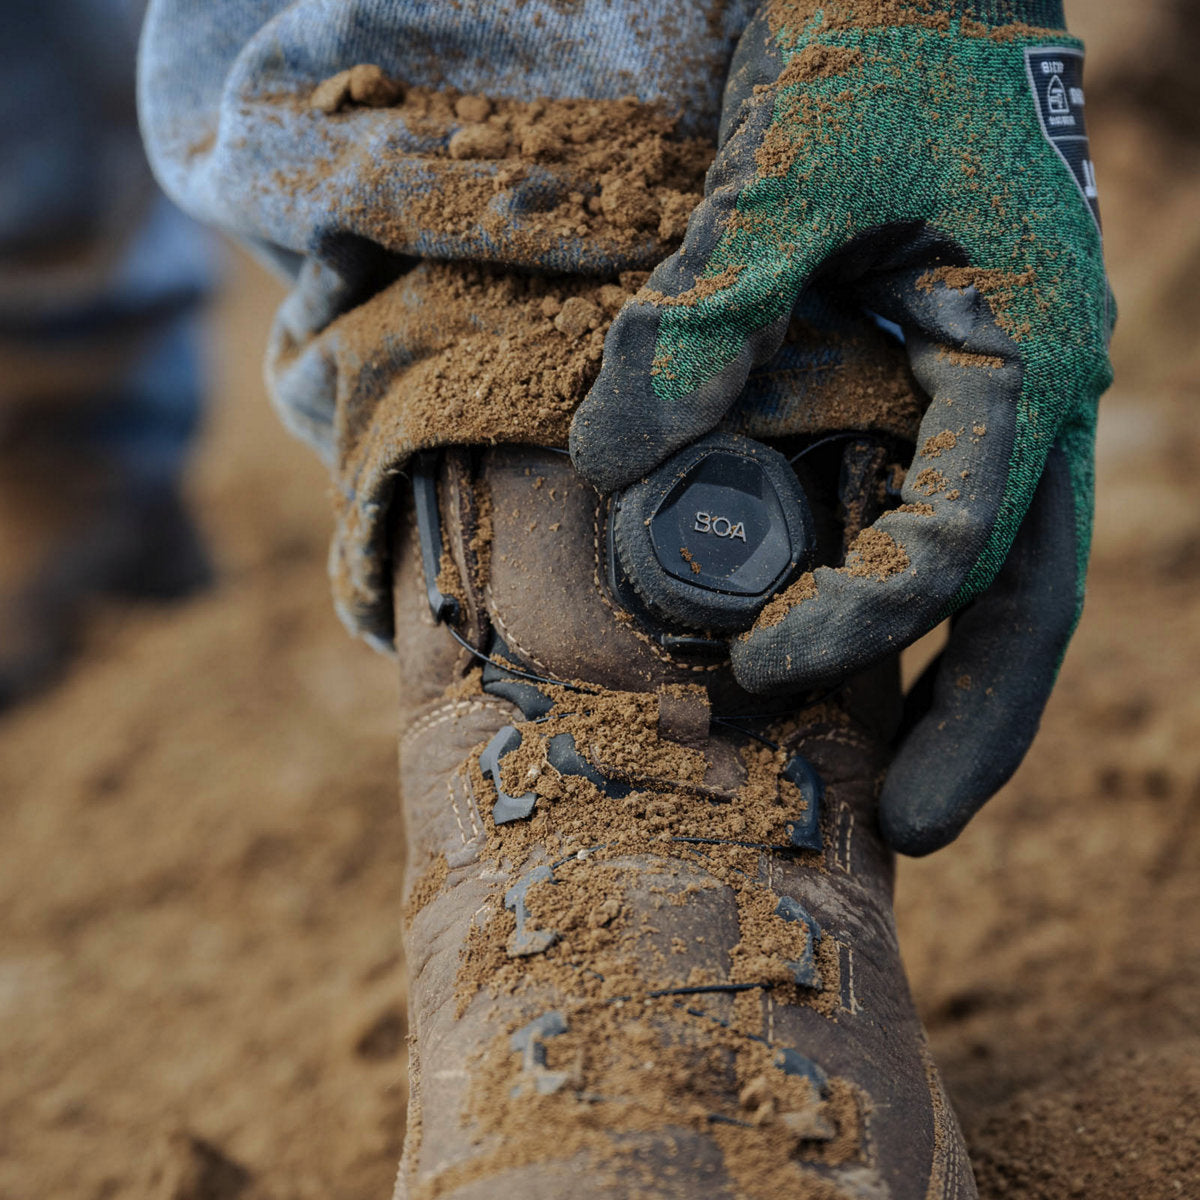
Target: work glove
(933, 169)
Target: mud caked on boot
(650, 926)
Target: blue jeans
(100, 276)
(350, 205)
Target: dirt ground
(201, 973)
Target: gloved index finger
(678, 354)
(903, 572)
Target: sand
(201, 974)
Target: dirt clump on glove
(875, 554)
(805, 588)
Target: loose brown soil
(875, 555)
(201, 975)
(650, 178)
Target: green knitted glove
(927, 160)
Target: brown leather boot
(649, 916)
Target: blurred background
(201, 974)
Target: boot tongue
(684, 713)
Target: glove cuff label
(1056, 79)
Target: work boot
(650, 932)
(73, 527)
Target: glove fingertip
(921, 810)
(759, 661)
(588, 447)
